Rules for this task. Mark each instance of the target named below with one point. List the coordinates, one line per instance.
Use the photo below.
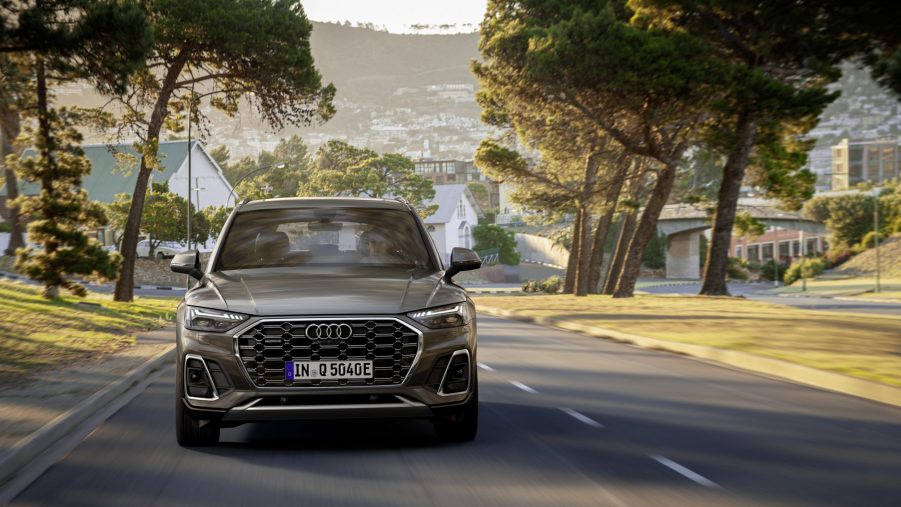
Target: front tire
(189, 432)
(160, 255)
(460, 424)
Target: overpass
(683, 224)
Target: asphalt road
(565, 421)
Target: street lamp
(277, 165)
(876, 233)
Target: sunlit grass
(846, 286)
(36, 333)
(864, 346)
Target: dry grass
(864, 263)
(864, 346)
(36, 333)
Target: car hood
(323, 291)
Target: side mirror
(187, 263)
(462, 259)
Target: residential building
(452, 223)
(114, 170)
(785, 244)
(873, 161)
(449, 171)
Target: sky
(398, 15)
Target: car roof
(323, 202)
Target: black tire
(460, 424)
(160, 255)
(188, 431)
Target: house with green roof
(114, 170)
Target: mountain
(367, 66)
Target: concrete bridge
(683, 225)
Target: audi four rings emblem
(329, 331)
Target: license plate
(305, 370)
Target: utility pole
(876, 233)
(803, 262)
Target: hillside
(864, 264)
(367, 66)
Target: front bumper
(242, 401)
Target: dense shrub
(837, 255)
(736, 269)
(811, 268)
(489, 236)
(768, 270)
(655, 252)
(551, 285)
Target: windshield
(330, 236)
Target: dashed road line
(523, 387)
(582, 418)
(689, 474)
(485, 367)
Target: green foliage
(61, 212)
(736, 269)
(809, 267)
(769, 269)
(488, 236)
(216, 216)
(5, 227)
(850, 217)
(747, 226)
(164, 217)
(101, 41)
(655, 252)
(342, 169)
(272, 180)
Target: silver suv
(325, 308)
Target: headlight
(204, 319)
(455, 315)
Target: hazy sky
(397, 15)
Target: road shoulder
(47, 409)
(750, 362)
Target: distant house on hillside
(451, 225)
(112, 174)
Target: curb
(888, 301)
(13, 276)
(488, 292)
(742, 360)
(28, 450)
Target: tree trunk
(623, 235)
(647, 227)
(125, 284)
(572, 264)
(10, 126)
(603, 227)
(581, 288)
(51, 289)
(717, 261)
(626, 231)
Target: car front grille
(389, 343)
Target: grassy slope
(36, 333)
(861, 346)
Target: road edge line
(775, 368)
(22, 459)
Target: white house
(451, 225)
(114, 170)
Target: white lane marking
(698, 478)
(582, 418)
(485, 367)
(523, 387)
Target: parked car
(165, 250)
(325, 308)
